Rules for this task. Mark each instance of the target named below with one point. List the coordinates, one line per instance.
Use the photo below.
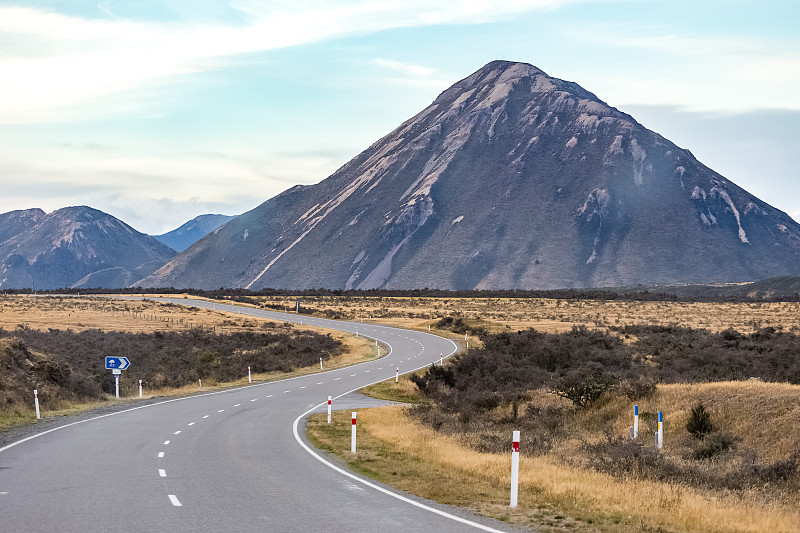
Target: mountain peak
(511, 178)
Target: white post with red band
(397, 375)
(36, 402)
(329, 409)
(249, 375)
(515, 469)
(353, 435)
(441, 359)
(140, 389)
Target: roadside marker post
(200, 381)
(249, 375)
(320, 363)
(140, 389)
(441, 359)
(465, 336)
(329, 409)
(635, 422)
(515, 469)
(36, 401)
(660, 429)
(397, 375)
(353, 435)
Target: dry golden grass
(554, 495)
(553, 316)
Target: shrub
(585, 385)
(714, 444)
(699, 424)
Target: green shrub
(699, 424)
(714, 444)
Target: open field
(553, 316)
(564, 490)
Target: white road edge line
(174, 500)
(373, 485)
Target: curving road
(234, 460)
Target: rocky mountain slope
(189, 233)
(76, 247)
(509, 179)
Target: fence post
(660, 429)
(36, 402)
(353, 435)
(515, 469)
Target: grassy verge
(396, 450)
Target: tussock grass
(554, 495)
(547, 315)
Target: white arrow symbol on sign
(123, 363)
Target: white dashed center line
(166, 442)
(270, 396)
(286, 391)
(160, 455)
(303, 387)
(320, 383)
(178, 432)
(254, 399)
(190, 424)
(237, 405)
(221, 411)
(351, 375)
(337, 379)
(205, 416)
(162, 472)
(174, 500)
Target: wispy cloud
(405, 68)
(719, 73)
(62, 67)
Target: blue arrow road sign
(117, 363)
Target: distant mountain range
(189, 233)
(74, 247)
(509, 179)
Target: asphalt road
(235, 460)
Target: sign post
(117, 365)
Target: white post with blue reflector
(660, 429)
(635, 422)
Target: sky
(157, 111)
